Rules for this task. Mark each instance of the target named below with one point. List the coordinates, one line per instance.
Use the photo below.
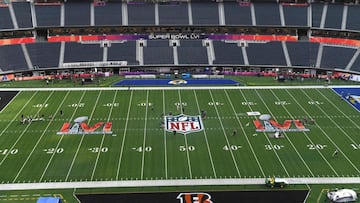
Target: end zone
(6, 97)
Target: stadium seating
(23, 14)
(5, 19)
(158, 52)
(108, 14)
(125, 51)
(236, 14)
(44, 55)
(173, 14)
(147, 16)
(334, 16)
(12, 58)
(205, 13)
(47, 15)
(353, 22)
(267, 14)
(77, 14)
(77, 52)
(227, 53)
(192, 52)
(295, 15)
(303, 53)
(270, 53)
(332, 59)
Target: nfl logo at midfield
(183, 123)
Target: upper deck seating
(108, 14)
(267, 14)
(23, 14)
(173, 14)
(147, 11)
(5, 19)
(236, 14)
(205, 13)
(47, 15)
(77, 14)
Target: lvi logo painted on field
(81, 127)
(265, 124)
(183, 123)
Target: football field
(122, 134)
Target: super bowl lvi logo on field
(183, 123)
(81, 127)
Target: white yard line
(334, 143)
(185, 137)
(165, 143)
(58, 144)
(297, 152)
(38, 141)
(206, 140)
(227, 140)
(16, 117)
(124, 136)
(267, 138)
(144, 140)
(82, 138)
(103, 138)
(345, 116)
(307, 113)
(243, 130)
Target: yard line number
(183, 148)
(316, 146)
(231, 147)
(40, 105)
(76, 105)
(54, 150)
(215, 103)
(248, 103)
(8, 151)
(314, 102)
(281, 103)
(142, 149)
(98, 149)
(273, 147)
(355, 146)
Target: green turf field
(139, 149)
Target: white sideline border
(167, 183)
(176, 182)
(176, 88)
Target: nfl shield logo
(183, 123)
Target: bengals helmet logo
(198, 197)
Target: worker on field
(234, 132)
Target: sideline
(163, 183)
(177, 88)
